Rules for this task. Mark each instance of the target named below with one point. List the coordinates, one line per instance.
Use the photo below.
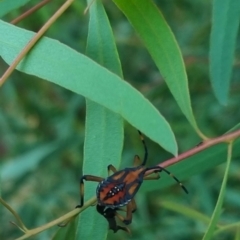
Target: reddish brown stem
(29, 12)
(223, 139)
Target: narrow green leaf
(158, 38)
(104, 128)
(7, 6)
(101, 45)
(218, 208)
(59, 64)
(225, 24)
(103, 145)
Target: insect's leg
(145, 148)
(134, 205)
(111, 168)
(160, 169)
(33, 41)
(86, 178)
(110, 215)
(136, 161)
(126, 229)
(134, 208)
(128, 219)
(121, 218)
(156, 176)
(65, 223)
(100, 209)
(30, 11)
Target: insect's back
(118, 189)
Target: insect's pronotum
(119, 189)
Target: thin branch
(222, 139)
(33, 41)
(58, 221)
(29, 12)
(22, 227)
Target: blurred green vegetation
(42, 128)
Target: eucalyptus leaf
(57, 63)
(158, 38)
(225, 26)
(103, 128)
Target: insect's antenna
(170, 174)
(145, 149)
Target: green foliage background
(42, 129)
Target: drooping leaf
(57, 63)
(158, 38)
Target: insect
(110, 214)
(119, 189)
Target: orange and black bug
(119, 189)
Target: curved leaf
(158, 38)
(59, 64)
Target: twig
(222, 139)
(29, 12)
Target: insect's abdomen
(119, 189)
(112, 194)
